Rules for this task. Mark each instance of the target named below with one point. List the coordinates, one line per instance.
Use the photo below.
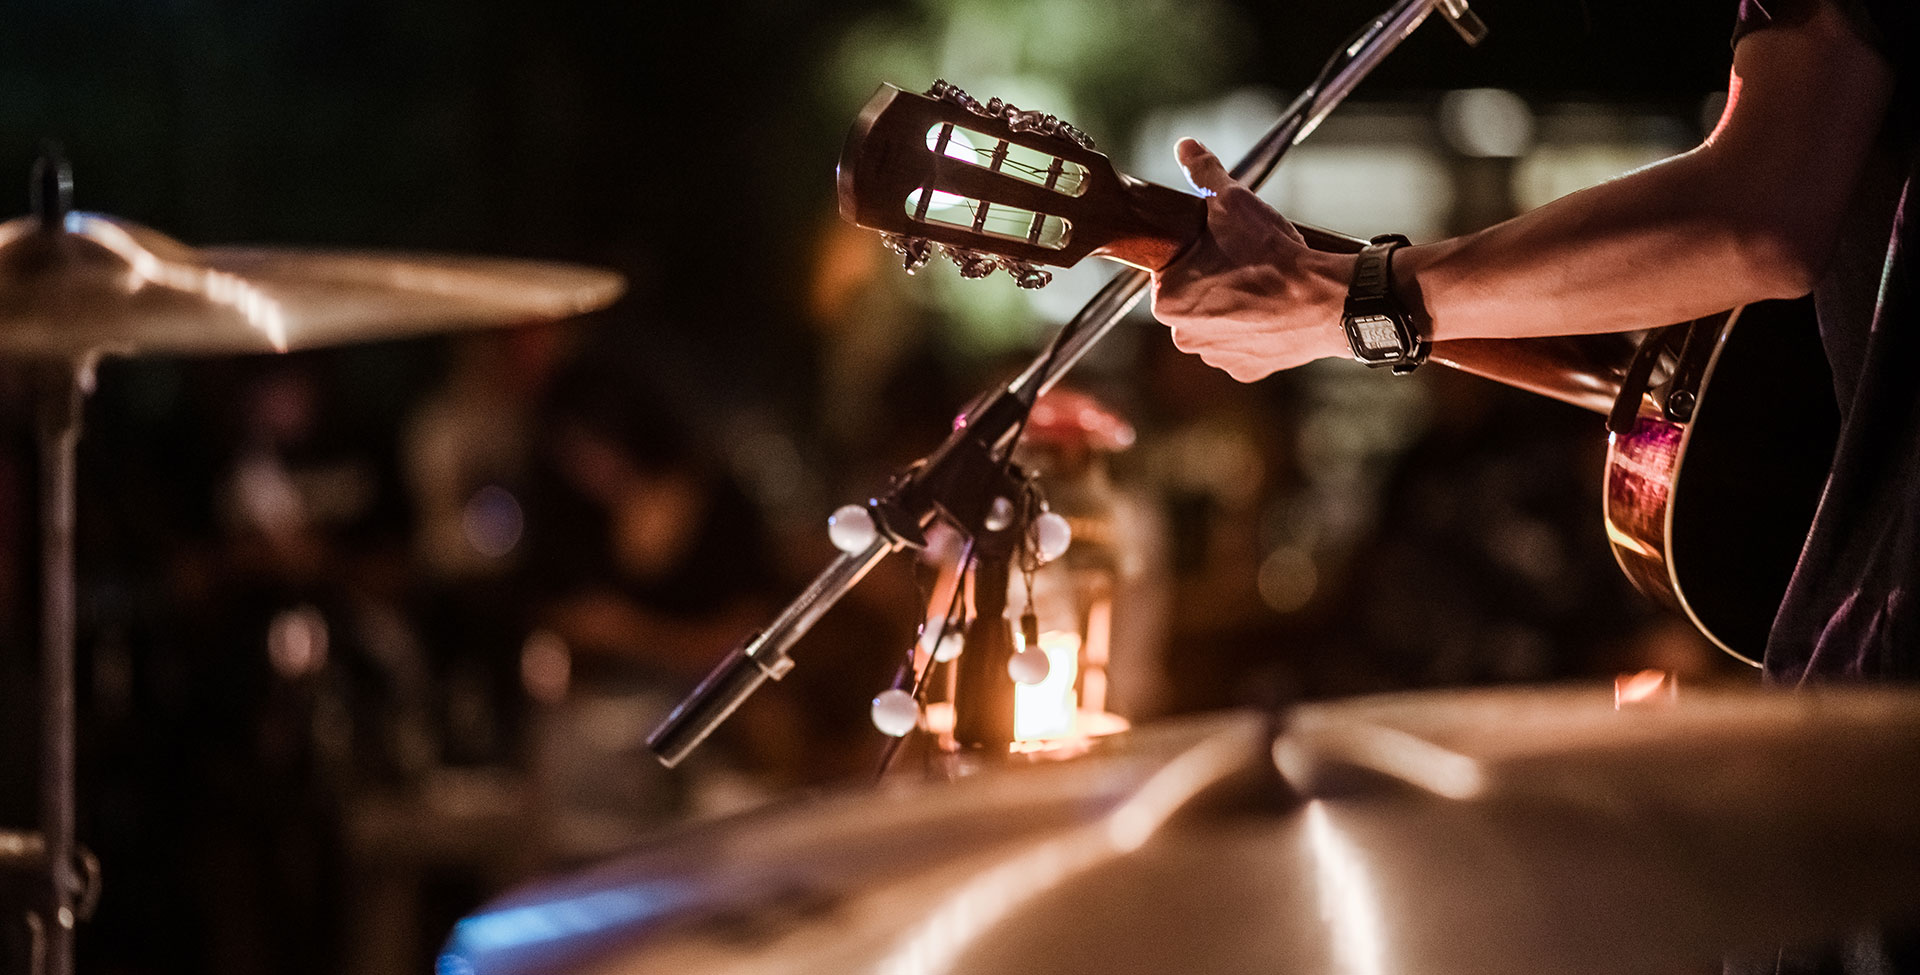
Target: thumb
(1203, 168)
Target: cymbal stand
(60, 395)
(971, 466)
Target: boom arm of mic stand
(942, 482)
(761, 658)
(1356, 61)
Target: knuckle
(1236, 195)
(1168, 307)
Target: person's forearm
(1661, 246)
(1751, 214)
(1748, 216)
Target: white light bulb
(1052, 535)
(1028, 666)
(950, 647)
(895, 712)
(851, 529)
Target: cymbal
(1514, 831)
(100, 285)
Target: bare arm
(1750, 214)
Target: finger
(1169, 301)
(1245, 211)
(1203, 168)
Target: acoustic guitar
(1707, 499)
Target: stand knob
(1052, 536)
(851, 529)
(1030, 666)
(895, 712)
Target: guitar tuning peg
(1016, 119)
(1027, 276)
(972, 263)
(914, 251)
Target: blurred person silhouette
(644, 562)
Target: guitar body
(1708, 513)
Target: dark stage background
(370, 633)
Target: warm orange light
(1645, 687)
(938, 716)
(1088, 726)
(1046, 710)
(1093, 683)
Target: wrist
(1381, 330)
(1331, 275)
(1406, 286)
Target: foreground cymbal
(98, 285)
(1440, 834)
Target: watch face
(1375, 336)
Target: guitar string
(1070, 178)
(1001, 215)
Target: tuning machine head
(1019, 121)
(986, 184)
(915, 252)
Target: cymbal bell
(100, 285)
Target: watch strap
(1379, 328)
(1373, 271)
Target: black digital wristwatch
(1379, 328)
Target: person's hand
(1249, 297)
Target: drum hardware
(950, 484)
(25, 854)
(77, 286)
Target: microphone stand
(960, 481)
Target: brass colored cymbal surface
(100, 285)
(1501, 832)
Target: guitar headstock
(993, 187)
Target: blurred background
(369, 634)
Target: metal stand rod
(62, 399)
(762, 658)
(1355, 62)
(953, 480)
(983, 698)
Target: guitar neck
(1150, 226)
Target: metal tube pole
(1097, 318)
(762, 658)
(62, 399)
